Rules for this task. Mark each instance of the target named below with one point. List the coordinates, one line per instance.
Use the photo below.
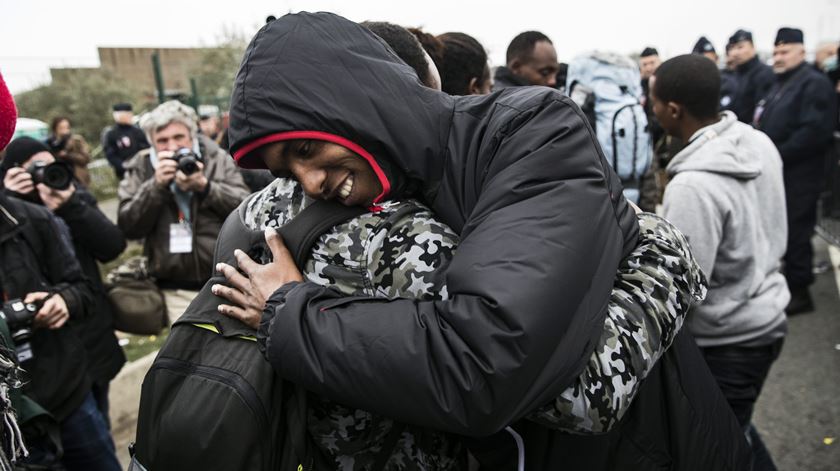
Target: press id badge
(24, 352)
(759, 110)
(180, 238)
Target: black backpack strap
(301, 233)
(234, 234)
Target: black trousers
(740, 372)
(802, 217)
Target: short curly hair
(405, 45)
(464, 59)
(166, 113)
(692, 81)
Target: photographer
(38, 267)
(69, 147)
(94, 238)
(176, 195)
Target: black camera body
(57, 175)
(19, 316)
(187, 160)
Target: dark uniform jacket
(122, 142)
(798, 116)
(504, 78)
(728, 89)
(34, 256)
(517, 174)
(753, 82)
(147, 210)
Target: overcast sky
(38, 34)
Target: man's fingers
(275, 243)
(36, 296)
(245, 263)
(236, 279)
(58, 323)
(231, 294)
(235, 312)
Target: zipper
(242, 388)
(520, 448)
(195, 234)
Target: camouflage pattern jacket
(402, 251)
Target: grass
(103, 181)
(138, 346)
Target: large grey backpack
(611, 82)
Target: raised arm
(528, 293)
(654, 289)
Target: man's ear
(472, 88)
(515, 65)
(675, 110)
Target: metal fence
(828, 215)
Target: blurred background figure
(69, 147)
(211, 126)
(463, 67)
(754, 78)
(799, 115)
(123, 140)
(531, 60)
(409, 49)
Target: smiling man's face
(325, 170)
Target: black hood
(321, 76)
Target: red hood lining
(242, 159)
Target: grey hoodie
(727, 195)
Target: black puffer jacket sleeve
(62, 268)
(528, 291)
(91, 228)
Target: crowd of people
(505, 297)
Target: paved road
(800, 405)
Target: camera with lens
(57, 175)
(18, 316)
(187, 160)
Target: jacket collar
(506, 78)
(748, 65)
(784, 77)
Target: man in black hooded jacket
(95, 239)
(541, 240)
(37, 263)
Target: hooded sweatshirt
(727, 195)
(517, 174)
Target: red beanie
(8, 114)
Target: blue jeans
(87, 442)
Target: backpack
(607, 87)
(210, 399)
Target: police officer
(754, 78)
(123, 140)
(728, 82)
(798, 115)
